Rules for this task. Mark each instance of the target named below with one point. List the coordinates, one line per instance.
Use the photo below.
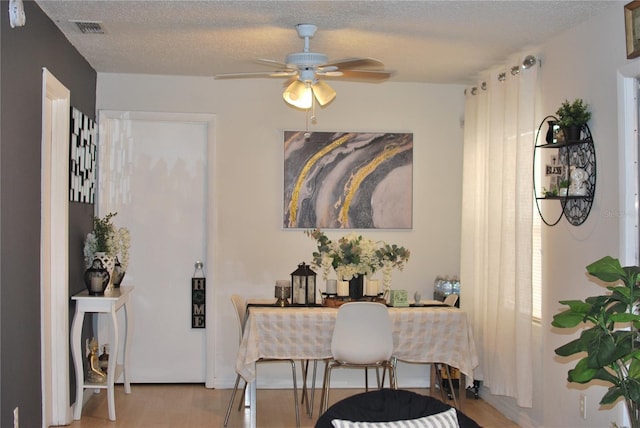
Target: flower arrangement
(391, 257)
(353, 255)
(106, 238)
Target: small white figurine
(578, 186)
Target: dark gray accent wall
(24, 51)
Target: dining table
(429, 332)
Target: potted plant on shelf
(549, 193)
(563, 188)
(609, 347)
(571, 118)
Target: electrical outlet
(583, 406)
(16, 423)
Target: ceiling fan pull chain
(313, 110)
(307, 134)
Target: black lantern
(303, 285)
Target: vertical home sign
(198, 292)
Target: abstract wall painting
(348, 180)
(82, 166)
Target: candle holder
(303, 281)
(282, 293)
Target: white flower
(105, 238)
(123, 247)
(90, 244)
(352, 255)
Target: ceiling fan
(306, 69)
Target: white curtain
(497, 215)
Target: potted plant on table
(610, 347)
(354, 256)
(571, 118)
(110, 245)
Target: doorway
(155, 170)
(54, 252)
(628, 148)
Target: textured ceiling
(421, 41)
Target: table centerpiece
(354, 256)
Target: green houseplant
(610, 347)
(571, 117)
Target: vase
(108, 262)
(96, 278)
(118, 274)
(551, 132)
(356, 285)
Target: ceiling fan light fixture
(323, 92)
(298, 94)
(306, 68)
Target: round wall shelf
(564, 173)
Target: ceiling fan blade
(355, 63)
(336, 73)
(272, 63)
(368, 75)
(326, 69)
(279, 73)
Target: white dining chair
(451, 299)
(362, 338)
(240, 306)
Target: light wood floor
(193, 405)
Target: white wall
(581, 63)
(252, 248)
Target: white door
(154, 170)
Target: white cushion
(448, 419)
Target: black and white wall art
(82, 166)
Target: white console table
(110, 303)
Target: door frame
(208, 119)
(628, 79)
(54, 252)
